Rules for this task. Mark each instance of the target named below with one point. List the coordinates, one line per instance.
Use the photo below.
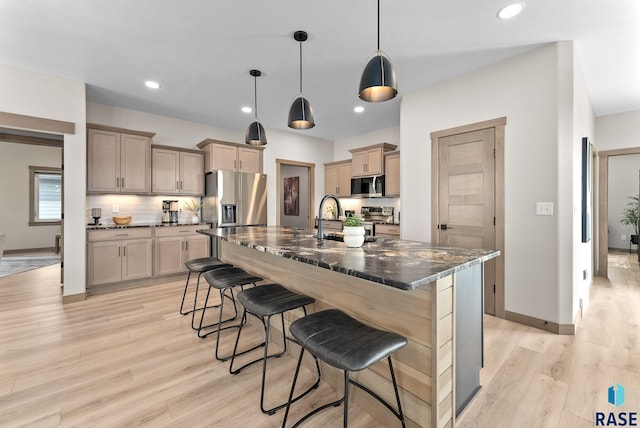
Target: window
(45, 188)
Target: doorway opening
(34, 131)
(295, 193)
(605, 223)
(467, 197)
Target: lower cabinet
(129, 254)
(176, 245)
(119, 255)
(389, 230)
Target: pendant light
(378, 81)
(301, 114)
(255, 135)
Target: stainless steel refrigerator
(235, 199)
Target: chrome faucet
(320, 227)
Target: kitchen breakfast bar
(431, 295)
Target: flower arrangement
(332, 209)
(192, 205)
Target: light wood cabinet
(177, 172)
(116, 256)
(392, 173)
(118, 161)
(369, 160)
(337, 178)
(119, 255)
(390, 230)
(176, 245)
(222, 155)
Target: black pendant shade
(301, 114)
(378, 82)
(255, 135)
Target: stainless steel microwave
(367, 187)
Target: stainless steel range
(377, 214)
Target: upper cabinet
(118, 160)
(337, 178)
(222, 155)
(392, 173)
(177, 172)
(369, 160)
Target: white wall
(40, 95)
(525, 89)
(387, 135)
(618, 131)
(623, 182)
(182, 133)
(15, 160)
(573, 251)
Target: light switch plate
(544, 208)
(115, 209)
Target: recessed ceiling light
(358, 109)
(246, 109)
(151, 84)
(510, 10)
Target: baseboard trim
(72, 298)
(551, 327)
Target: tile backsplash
(143, 209)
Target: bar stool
(347, 344)
(264, 302)
(224, 280)
(199, 266)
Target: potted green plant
(630, 216)
(353, 230)
(193, 206)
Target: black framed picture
(587, 154)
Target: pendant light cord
(255, 96)
(300, 67)
(378, 25)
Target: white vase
(195, 218)
(353, 236)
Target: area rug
(620, 260)
(12, 265)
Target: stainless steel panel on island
(403, 286)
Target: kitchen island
(412, 288)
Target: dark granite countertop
(131, 225)
(398, 263)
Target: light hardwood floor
(128, 358)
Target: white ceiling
(201, 51)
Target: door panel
(134, 163)
(165, 170)
(137, 259)
(105, 261)
(467, 196)
(168, 254)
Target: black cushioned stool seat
(263, 302)
(199, 266)
(224, 280)
(349, 345)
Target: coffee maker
(169, 211)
